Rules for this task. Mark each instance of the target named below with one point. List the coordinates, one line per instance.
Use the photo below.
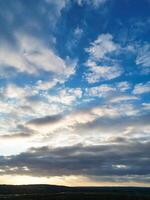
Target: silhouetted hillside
(52, 192)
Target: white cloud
(99, 73)
(78, 32)
(59, 4)
(13, 91)
(94, 3)
(113, 93)
(143, 56)
(125, 98)
(123, 86)
(146, 106)
(113, 111)
(66, 96)
(16, 103)
(33, 59)
(54, 10)
(142, 88)
(99, 51)
(100, 91)
(45, 85)
(102, 46)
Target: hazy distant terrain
(45, 192)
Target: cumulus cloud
(102, 46)
(100, 65)
(142, 88)
(66, 96)
(101, 90)
(46, 85)
(34, 58)
(99, 73)
(123, 86)
(112, 92)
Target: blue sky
(74, 92)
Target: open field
(46, 192)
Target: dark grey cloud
(118, 123)
(22, 132)
(120, 160)
(52, 119)
(120, 128)
(15, 135)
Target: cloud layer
(74, 91)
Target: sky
(75, 92)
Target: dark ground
(48, 192)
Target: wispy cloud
(143, 58)
(94, 3)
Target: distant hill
(54, 192)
